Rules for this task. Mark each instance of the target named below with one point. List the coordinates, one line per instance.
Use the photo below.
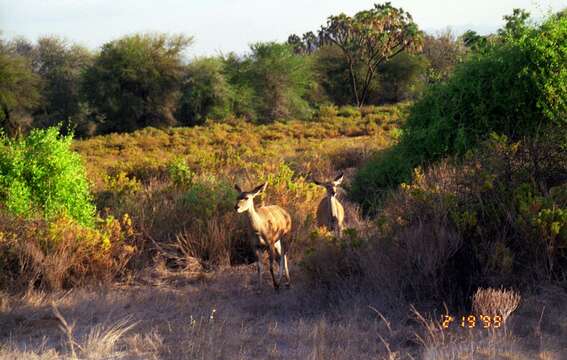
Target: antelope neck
(254, 217)
(333, 205)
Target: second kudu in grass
(268, 229)
(330, 213)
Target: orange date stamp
(472, 321)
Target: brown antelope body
(268, 229)
(330, 213)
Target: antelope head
(245, 199)
(331, 186)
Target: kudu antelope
(268, 229)
(330, 212)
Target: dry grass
(494, 302)
(62, 253)
(101, 341)
(224, 316)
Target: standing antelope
(268, 227)
(330, 212)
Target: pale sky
(231, 25)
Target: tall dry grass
(62, 253)
(495, 302)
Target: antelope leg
(286, 270)
(259, 263)
(271, 253)
(278, 247)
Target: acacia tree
(307, 44)
(443, 51)
(369, 39)
(60, 66)
(135, 81)
(19, 93)
(280, 80)
(516, 24)
(205, 92)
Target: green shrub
(547, 51)
(134, 81)
(372, 183)
(179, 172)
(327, 112)
(41, 176)
(349, 111)
(205, 92)
(401, 78)
(208, 196)
(515, 88)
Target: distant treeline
(377, 56)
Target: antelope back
(276, 222)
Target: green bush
(179, 173)
(41, 176)
(205, 92)
(515, 88)
(349, 111)
(208, 196)
(401, 78)
(272, 83)
(371, 183)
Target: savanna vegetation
(117, 174)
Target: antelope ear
(339, 179)
(237, 188)
(259, 189)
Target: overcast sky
(231, 25)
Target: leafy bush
(60, 65)
(205, 92)
(41, 176)
(333, 73)
(372, 183)
(179, 172)
(209, 197)
(516, 89)
(401, 78)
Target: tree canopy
(280, 78)
(205, 92)
(19, 91)
(135, 81)
(371, 37)
(60, 66)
